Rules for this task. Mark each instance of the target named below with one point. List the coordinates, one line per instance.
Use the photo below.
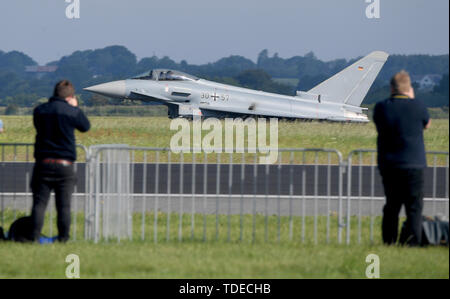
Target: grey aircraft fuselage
(336, 99)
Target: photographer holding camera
(400, 121)
(55, 154)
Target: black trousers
(61, 179)
(402, 187)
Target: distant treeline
(107, 110)
(269, 73)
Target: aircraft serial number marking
(215, 96)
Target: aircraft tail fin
(351, 85)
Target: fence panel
(307, 196)
(228, 196)
(365, 195)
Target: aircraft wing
(229, 109)
(149, 97)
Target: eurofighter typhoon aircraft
(336, 99)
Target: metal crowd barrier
(143, 193)
(219, 184)
(361, 163)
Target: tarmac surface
(318, 180)
(280, 192)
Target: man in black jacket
(55, 153)
(400, 121)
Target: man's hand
(410, 93)
(72, 101)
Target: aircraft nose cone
(115, 89)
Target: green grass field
(155, 132)
(218, 258)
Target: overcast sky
(202, 31)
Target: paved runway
(284, 181)
(249, 204)
(279, 185)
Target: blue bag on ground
(21, 231)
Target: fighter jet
(335, 99)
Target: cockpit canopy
(165, 75)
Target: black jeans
(61, 179)
(402, 186)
